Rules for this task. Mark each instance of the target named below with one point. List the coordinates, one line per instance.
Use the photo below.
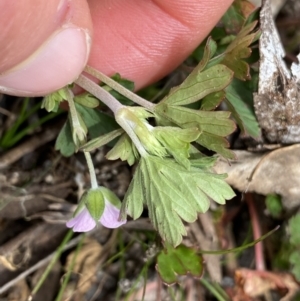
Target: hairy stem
(73, 112)
(89, 161)
(52, 263)
(99, 92)
(78, 131)
(119, 88)
(132, 135)
(114, 105)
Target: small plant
(167, 141)
(173, 178)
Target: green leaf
(205, 163)
(236, 15)
(217, 123)
(102, 140)
(51, 101)
(213, 125)
(177, 142)
(217, 144)
(125, 83)
(294, 226)
(208, 52)
(238, 50)
(205, 52)
(174, 262)
(64, 141)
(124, 150)
(50, 104)
(199, 84)
(240, 103)
(212, 101)
(97, 122)
(134, 119)
(87, 100)
(171, 193)
(274, 205)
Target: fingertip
(146, 41)
(45, 47)
(51, 67)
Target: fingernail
(58, 62)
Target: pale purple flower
(83, 222)
(110, 216)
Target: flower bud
(99, 204)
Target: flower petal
(110, 216)
(83, 222)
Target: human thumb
(44, 44)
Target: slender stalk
(52, 262)
(99, 92)
(78, 132)
(259, 247)
(119, 88)
(69, 272)
(213, 290)
(134, 138)
(114, 105)
(72, 108)
(91, 168)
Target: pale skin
(46, 44)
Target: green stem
(73, 112)
(212, 289)
(119, 88)
(69, 272)
(52, 262)
(241, 248)
(114, 105)
(134, 138)
(99, 92)
(32, 127)
(78, 132)
(91, 168)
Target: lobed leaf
(97, 122)
(213, 125)
(87, 100)
(208, 52)
(64, 141)
(212, 101)
(177, 142)
(102, 140)
(173, 262)
(171, 193)
(240, 103)
(199, 84)
(124, 150)
(236, 15)
(217, 144)
(217, 123)
(240, 49)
